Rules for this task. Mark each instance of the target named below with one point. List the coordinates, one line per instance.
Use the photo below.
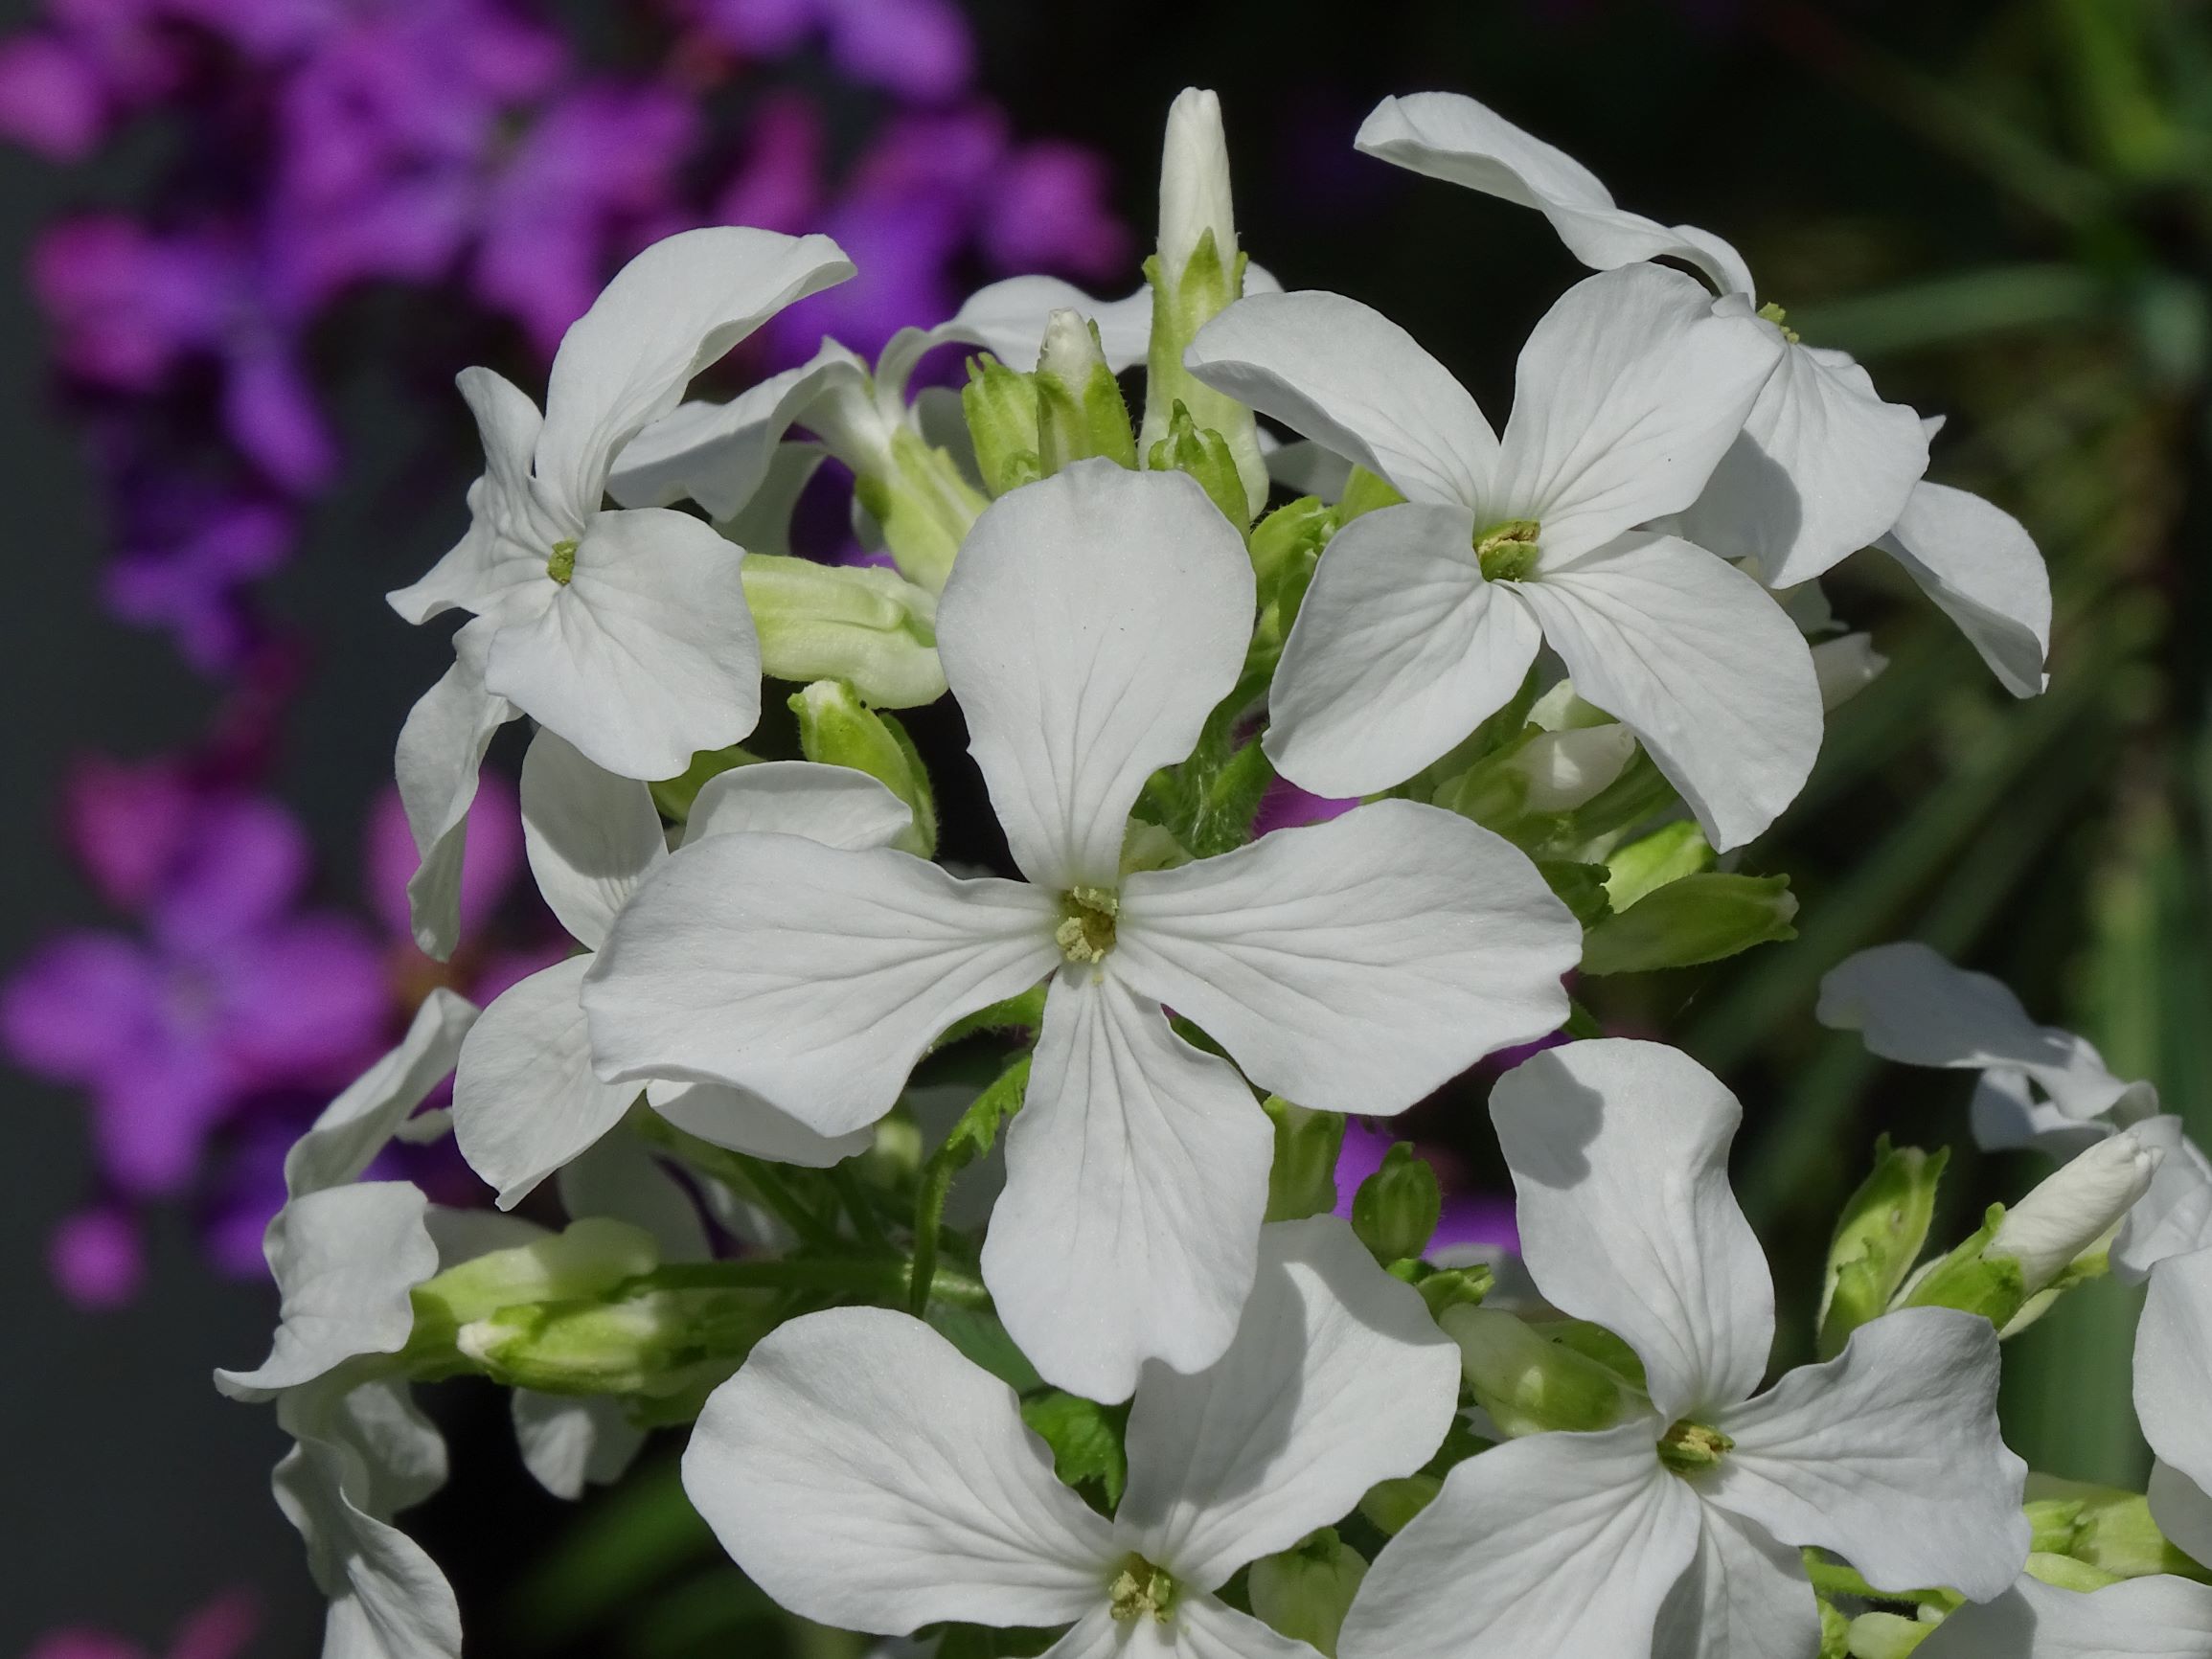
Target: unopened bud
(837, 729)
(1302, 1181)
(1204, 454)
(1528, 1384)
(867, 626)
(1877, 1237)
(1080, 412)
(1636, 871)
(922, 504)
(1389, 1505)
(1194, 201)
(1000, 407)
(1565, 769)
(2075, 1207)
(2104, 1527)
(589, 1258)
(1305, 1591)
(1396, 1210)
(660, 1342)
(1696, 919)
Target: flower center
(1140, 1588)
(1507, 552)
(1088, 931)
(561, 566)
(1776, 315)
(1691, 1446)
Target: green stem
(860, 1206)
(886, 1280)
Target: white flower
(2160, 1617)
(866, 1475)
(2172, 1363)
(1424, 619)
(1093, 621)
(2070, 1211)
(1687, 1518)
(1823, 466)
(2039, 1086)
(525, 1099)
(624, 631)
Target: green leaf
(1696, 919)
(1085, 1440)
(1580, 887)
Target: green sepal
(674, 796)
(1302, 1180)
(1183, 303)
(1528, 1383)
(1580, 887)
(2066, 1573)
(1396, 1210)
(662, 1342)
(2107, 1528)
(587, 1259)
(923, 506)
(1204, 454)
(1667, 854)
(1698, 919)
(1086, 1442)
(1286, 545)
(1000, 406)
(1880, 1634)
(1080, 410)
(1390, 1505)
(1305, 1591)
(838, 729)
(1443, 1288)
(1366, 491)
(1967, 1279)
(867, 626)
(1877, 1237)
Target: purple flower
(97, 1257)
(1049, 213)
(218, 1630)
(1285, 807)
(920, 50)
(188, 579)
(51, 99)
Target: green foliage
(1086, 1442)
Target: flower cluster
(1079, 1361)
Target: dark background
(134, 1491)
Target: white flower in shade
(1677, 1531)
(624, 630)
(2160, 1617)
(1423, 619)
(2173, 1372)
(1094, 619)
(866, 1475)
(2039, 1086)
(525, 1099)
(1823, 465)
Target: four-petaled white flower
(1424, 619)
(525, 1098)
(867, 1475)
(1094, 621)
(625, 631)
(1824, 465)
(2159, 1617)
(2038, 1086)
(1677, 1531)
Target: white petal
(1822, 469)
(2156, 1618)
(1626, 397)
(344, 1260)
(440, 751)
(1911, 1006)
(2173, 1359)
(2181, 1509)
(1745, 1596)
(812, 976)
(1889, 1454)
(347, 1135)
(1091, 623)
(1619, 1152)
(745, 1122)
(1400, 651)
(510, 532)
(674, 309)
(1337, 1379)
(1699, 662)
(720, 454)
(1556, 1544)
(591, 836)
(1981, 568)
(866, 1475)
(1008, 319)
(1567, 768)
(2175, 1216)
(832, 805)
(1347, 377)
(1358, 964)
(568, 1444)
(388, 1599)
(1136, 1177)
(525, 1098)
(647, 654)
(618, 1177)
(1448, 136)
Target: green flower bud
(837, 729)
(1883, 1635)
(2064, 1573)
(1643, 867)
(1396, 1210)
(661, 1342)
(1877, 1237)
(1972, 1282)
(923, 505)
(1302, 1181)
(1446, 1288)
(2105, 1528)
(1695, 918)
(1305, 1591)
(589, 1258)
(1389, 1505)
(867, 626)
(1527, 1383)
(1001, 408)
(1080, 412)
(1204, 456)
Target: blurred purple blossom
(220, 1628)
(1481, 1220)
